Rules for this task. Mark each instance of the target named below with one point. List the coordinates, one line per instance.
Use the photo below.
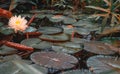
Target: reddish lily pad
(54, 60)
(98, 48)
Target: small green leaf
(30, 29)
(1, 24)
(6, 31)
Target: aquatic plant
(110, 15)
(18, 23)
(63, 4)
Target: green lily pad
(83, 23)
(30, 29)
(82, 31)
(57, 18)
(36, 43)
(31, 42)
(37, 67)
(1, 24)
(35, 11)
(41, 16)
(65, 19)
(79, 16)
(9, 58)
(71, 45)
(43, 45)
(5, 50)
(40, 68)
(110, 40)
(104, 64)
(69, 20)
(79, 40)
(55, 38)
(42, 11)
(50, 30)
(27, 61)
(67, 30)
(68, 47)
(33, 24)
(27, 15)
(77, 72)
(6, 31)
(8, 68)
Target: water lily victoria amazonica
(18, 23)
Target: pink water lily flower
(18, 23)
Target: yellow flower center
(17, 22)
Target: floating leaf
(43, 11)
(30, 29)
(9, 58)
(67, 30)
(104, 64)
(8, 68)
(27, 69)
(57, 18)
(50, 30)
(79, 40)
(39, 68)
(31, 41)
(65, 19)
(7, 50)
(69, 20)
(84, 23)
(43, 45)
(68, 47)
(110, 40)
(26, 15)
(82, 31)
(54, 60)
(77, 72)
(98, 48)
(1, 24)
(6, 31)
(41, 16)
(55, 38)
